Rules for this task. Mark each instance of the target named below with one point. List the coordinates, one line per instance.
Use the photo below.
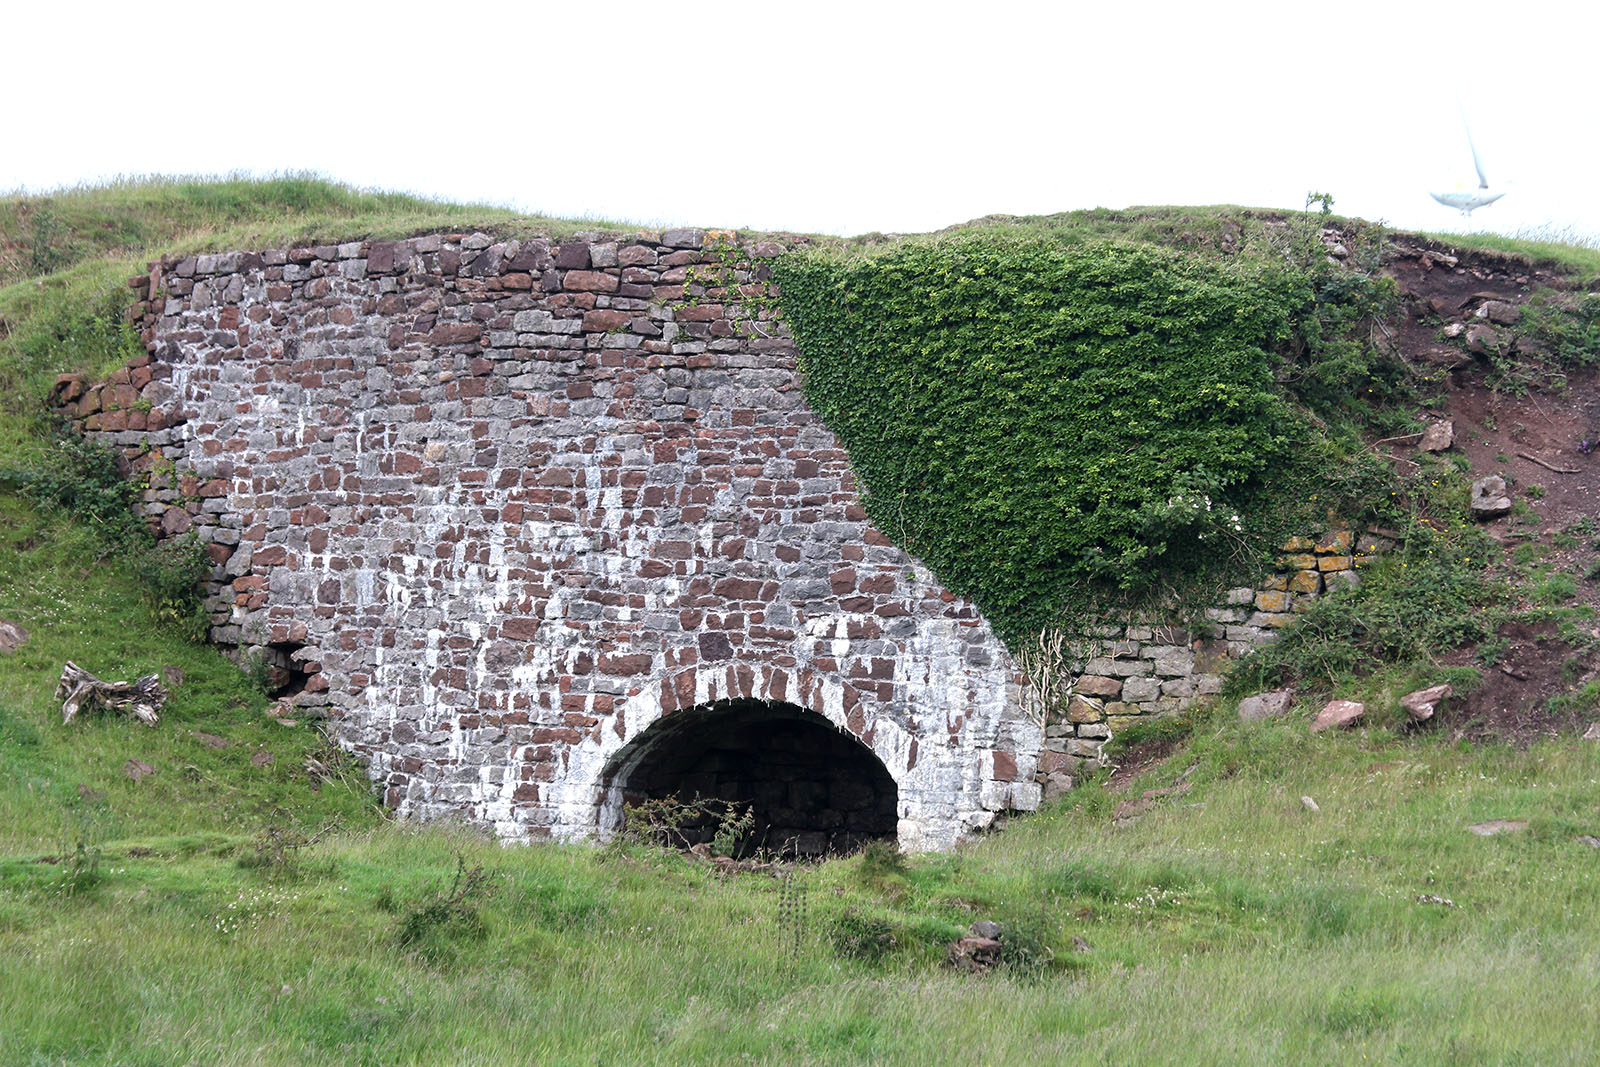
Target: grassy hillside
(245, 902)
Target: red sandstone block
(589, 281)
(519, 629)
(455, 333)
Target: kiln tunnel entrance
(812, 789)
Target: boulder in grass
(1339, 713)
(974, 954)
(12, 636)
(1421, 704)
(1265, 705)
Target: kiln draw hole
(813, 790)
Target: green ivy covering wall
(1051, 427)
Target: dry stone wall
(499, 507)
(1143, 668)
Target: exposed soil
(1513, 703)
(1541, 440)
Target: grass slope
(172, 920)
(1226, 924)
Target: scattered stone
(985, 928)
(137, 769)
(261, 759)
(90, 796)
(974, 954)
(1482, 340)
(1592, 733)
(12, 636)
(287, 722)
(1310, 805)
(1590, 840)
(209, 740)
(1490, 498)
(1265, 705)
(1339, 713)
(1498, 826)
(1431, 898)
(1080, 944)
(1499, 311)
(1438, 437)
(1444, 356)
(171, 676)
(1420, 705)
(1454, 330)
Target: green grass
(138, 218)
(1229, 924)
(163, 922)
(1563, 250)
(63, 785)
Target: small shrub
(1025, 950)
(85, 479)
(670, 822)
(172, 576)
(858, 936)
(81, 871)
(431, 928)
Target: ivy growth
(1052, 428)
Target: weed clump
(432, 927)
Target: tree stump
(140, 698)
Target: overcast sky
(824, 116)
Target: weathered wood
(141, 698)
(1549, 466)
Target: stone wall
(1140, 669)
(499, 507)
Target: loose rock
(12, 636)
(1338, 713)
(1265, 705)
(1490, 498)
(1438, 437)
(1495, 827)
(1501, 312)
(974, 954)
(1420, 705)
(137, 769)
(1592, 733)
(261, 759)
(1310, 805)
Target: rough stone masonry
(503, 508)
(547, 527)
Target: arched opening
(811, 788)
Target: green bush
(172, 576)
(858, 936)
(85, 478)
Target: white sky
(815, 115)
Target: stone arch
(586, 799)
(812, 787)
